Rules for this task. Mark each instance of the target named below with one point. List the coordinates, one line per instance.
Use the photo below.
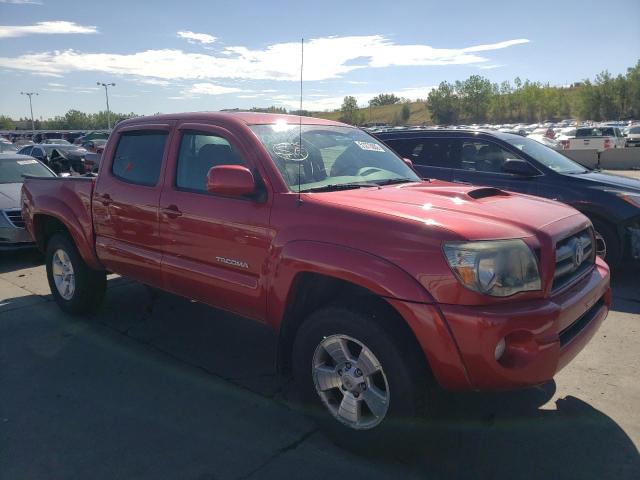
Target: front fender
(412, 302)
(368, 271)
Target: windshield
(330, 156)
(634, 130)
(13, 169)
(547, 156)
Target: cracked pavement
(155, 386)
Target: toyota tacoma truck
(385, 289)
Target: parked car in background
(545, 140)
(92, 136)
(6, 147)
(23, 140)
(564, 135)
(597, 138)
(518, 164)
(383, 288)
(94, 146)
(632, 136)
(61, 158)
(40, 136)
(12, 168)
(55, 141)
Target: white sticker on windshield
(27, 162)
(371, 147)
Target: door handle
(172, 211)
(105, 199)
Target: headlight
(498, 267)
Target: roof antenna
(300, 120)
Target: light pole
(30, 94)
(106, 95)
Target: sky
(168, 56)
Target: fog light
(500, 348)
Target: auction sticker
(369, 146)
(27, 162)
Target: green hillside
(386, 113)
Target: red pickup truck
(383, 287)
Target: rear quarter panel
(67, 200)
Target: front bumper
(542, 336)
(12, 238)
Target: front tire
(76, 288)
(607, 239)
(362, 380)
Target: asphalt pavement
(155, 386)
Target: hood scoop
(486, 192)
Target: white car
(633, 135)
(597, 138)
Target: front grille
(574, 256)
(15, 217)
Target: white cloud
(154, 81)
(490, 67)
(325, 58)
(193, 37)
(209, 89)
(22, 2)
(59, 85)
(44, 28)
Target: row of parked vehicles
(566, 135)
(384, 287)
(70, 153)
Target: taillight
(607, 143)
(565, 144)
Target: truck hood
(471, 212)
(10, 195)
(605, 180)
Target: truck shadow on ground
(504, 435)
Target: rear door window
(429, 152)
(138, 157)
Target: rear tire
(403, 380)
(76, 288)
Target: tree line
(72, 120)
(477, 100)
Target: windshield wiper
(339, 186)
(393, 181)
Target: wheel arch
(312, 274)
(45, 225)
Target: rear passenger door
(125, 203)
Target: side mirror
(519, 167)
(231, 180)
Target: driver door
(214, 248)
